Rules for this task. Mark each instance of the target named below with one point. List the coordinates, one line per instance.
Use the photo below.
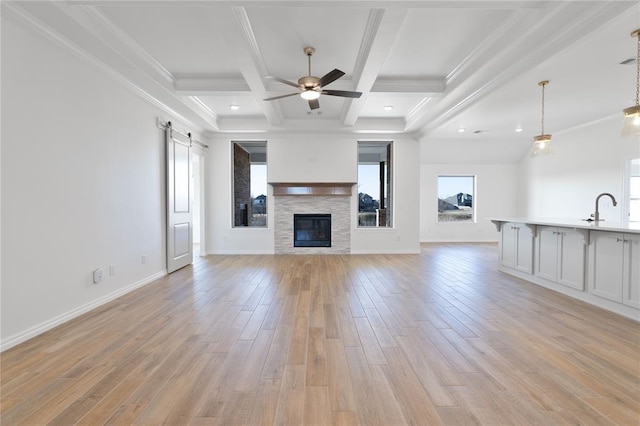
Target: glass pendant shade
(541, 145)
(631, 123)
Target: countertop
(603, 225)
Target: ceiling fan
(312, 87)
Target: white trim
(35, 25)
(239, 252)
(457, 240)
(392, 251)
(74, 313)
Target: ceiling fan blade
(314, 104)
(281, 96)
(343, 93)
(283, 81)
(330, 77)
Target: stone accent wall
(241, 184)
(339, 207)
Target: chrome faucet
(596, 215)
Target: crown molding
(343, 4)
(116, 34)
(35, 25)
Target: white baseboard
(399, 251)
(441, 240)
(67, 316)
(239, 252)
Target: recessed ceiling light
(461, 130)
(234, 107)
(518, 129)
(388, 107)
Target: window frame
(389, 177)
(474, 196)
(243, 144)
(626, 202)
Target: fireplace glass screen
(312, 230)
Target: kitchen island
(596, 262)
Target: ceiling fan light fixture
(631, 122)
(310, 95)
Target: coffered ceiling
(438, 66)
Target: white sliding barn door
(179, 221)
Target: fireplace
(312, 230)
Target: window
(250, 184)
(375, 184)
(456, 198)
(634, 190)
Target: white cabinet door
(508, 245)
(524, 248)
(631, 272)
(547, 253)
(560, 255)
(571, 254)
(605, 260)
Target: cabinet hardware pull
(620, 240)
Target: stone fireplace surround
(311, 198)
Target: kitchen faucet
(596, 215)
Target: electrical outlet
(97, 276)
(144, 259)
(112, 270)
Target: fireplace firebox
(312, 230)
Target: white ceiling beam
(380, 33)
(304, 126)
(239, 37)
(208, 86)
(427, 86)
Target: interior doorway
(198, 207)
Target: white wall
(586, 161)
(82, 186)
(305, 158)
(222, 238)
(496, 195)
(404, 236)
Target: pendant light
(542, 142)
(631, 123)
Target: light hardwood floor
(435, 338)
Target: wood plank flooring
(435, 338)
